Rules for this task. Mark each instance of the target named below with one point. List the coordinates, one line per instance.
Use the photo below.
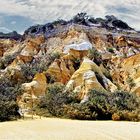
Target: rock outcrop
(33, 46)
(131, 71)
(89, 76)
(51, 29)
(37, 87)
(6, 44)
(61, 70)
(33, 91)
(82, 54)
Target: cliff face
(80, 55)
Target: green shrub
(8, 110)
(55, 101)
(8, 95)
(80, 112)
(38, 65)
(76, 63)
(54, 55)
(6, 61)
(93, 54)
(119, 105)
(124, 101)
(110, 50)
(29, 70)
(130, 82)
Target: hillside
(84, 59)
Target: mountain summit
(109, 23)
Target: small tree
(8, 95)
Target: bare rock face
(126, 73)
(77, 51)
(91, 55)
(54, 44)
(6, 44)
(14, 69)
(32, 47)
(131, 68)
(62, 42)
(61, 70)
(33, 91)
(75, 37)
(89, 76)
(18, 54)
(27, 48)
(38, 86)
(14, 51)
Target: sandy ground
(61, 129)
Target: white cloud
(4, 29)
(41, 11)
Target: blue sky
(20, 14)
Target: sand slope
(60, 129)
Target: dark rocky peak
(110, 22)
(110, 18)
(117, 23)
(47, 28)
(80, 18)
(11, 35)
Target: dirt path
(61, 129)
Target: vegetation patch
(119, 105)
(8, 95)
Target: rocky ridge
(83, 54)
(12, 35)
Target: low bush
(38, 65)
(8, 95)
(94, 55)
(119, 105)
(55, 101)
(110, 50)
(30, 69)
(80, 112)
(6, 61)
